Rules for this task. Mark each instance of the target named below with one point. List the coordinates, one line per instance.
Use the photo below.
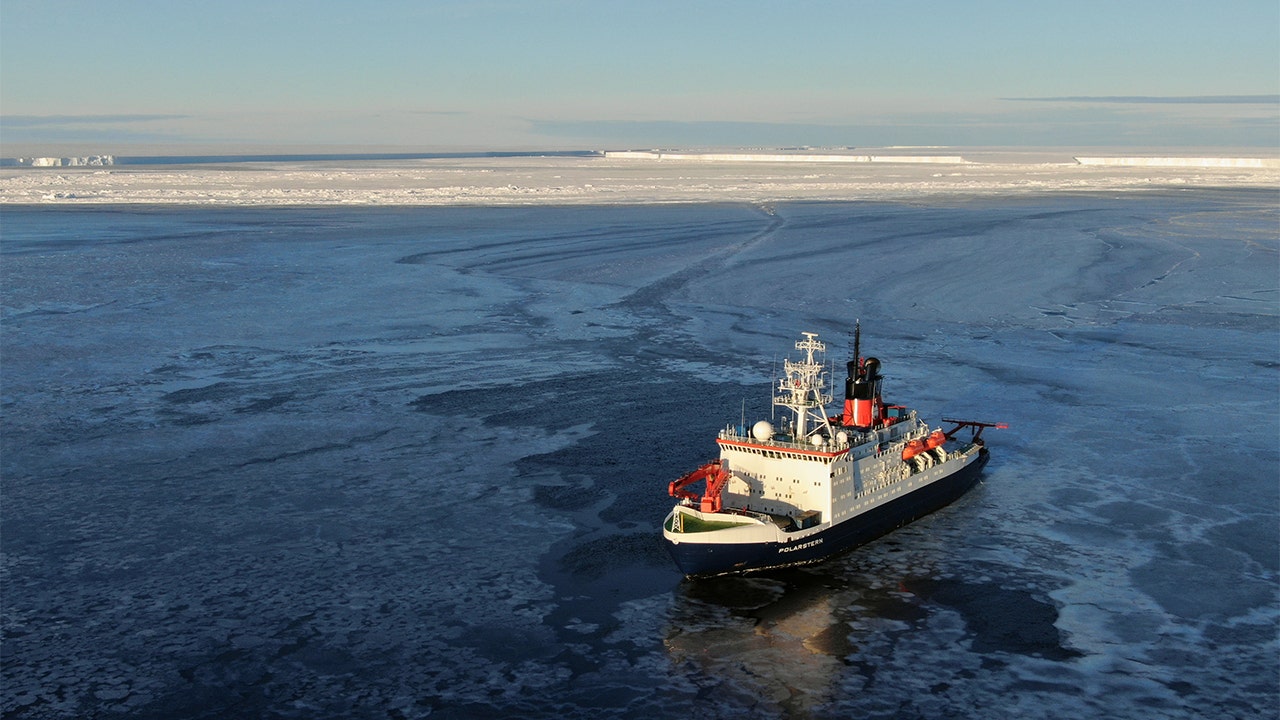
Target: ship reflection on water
(844, 636)
(781, 638)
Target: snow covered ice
(626, 178)
(411, 461)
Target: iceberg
(84, 161)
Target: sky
(612, 74)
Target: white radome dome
(762, 431)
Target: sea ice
(361, 462)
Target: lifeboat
(916, 447)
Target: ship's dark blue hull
(701, 559)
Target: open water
(406, 463)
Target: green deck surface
(693, 524)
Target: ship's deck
(691, 523)
(855, 437)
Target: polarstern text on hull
(821, 482)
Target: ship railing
(856, 437)
(801, 401)
(757, 516)
(731, 433)
(728, 510)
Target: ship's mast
(802, 389)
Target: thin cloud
(706, 132)
(1160, 99)
(33, 121)
(1047, 125)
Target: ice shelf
(1191, 162)
(622, 178)
(779, 157)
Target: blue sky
(607, 74)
